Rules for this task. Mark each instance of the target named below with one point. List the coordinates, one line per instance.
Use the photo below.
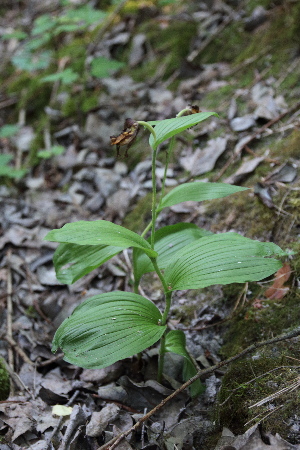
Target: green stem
(182, 112)
(160, 275)
(168, 297)
(167, 308)
(147, 228)
(154, 153)
(148, 126)
(161, 358)
(169, 152)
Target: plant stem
(147, 228)
(168, 306)
(168, 296)
(148, 126)
(153, 211)
(161, 358)
(169, 152)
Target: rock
(267, 106)
(248, 166)
(258, 17)
(120, 168)
(113, 392)
(242, 123)
(203, 161)
(95, 127)
(137, 49)
(47, 276)
(107, 181)
(100, 420)
(24, 138)
(118, 202)
(101, 376)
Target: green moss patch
(4, 382)
(140, 216)
(253, 380)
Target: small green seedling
(111, 326)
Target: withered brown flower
(192, 109)
(127, 137)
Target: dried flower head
(127, 137)
(192, 109)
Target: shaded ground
(240, 61)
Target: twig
(253, 136)
(263, 418)
(115, 441)
(286, 73)
(277, 394)
(8, 102)
(254, 379)
(15, 378)
(13, 345)
(51, 360)
(209, 39)
(56, 429)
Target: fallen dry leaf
(277, 291)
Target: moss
(280, 35)
(288, 147)
(247, 214)
(38, 142)
(252, 324)
(33, 94)
(76, 49)
(252, 4)
(252, 380)
(89, 102)
(213, 100)
(4, 381)
(140, 216)
(171, 44)
(227, 46)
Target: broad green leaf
(222, 259)
(53, 151)
(108, 327)
(8, 171)
(102, 67)
(5, 159)
(168, 240)
(99, 232)
(25, 60)
(37, 42)
(17, 34)
(175, 343)
(66, 76)
(73, 261)
(86, 14)
(198, 191)
(8, 130)
(43, 23)
(170, 127)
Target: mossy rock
(4, 381)
(253, 380)
(171, 44)
(140, 216)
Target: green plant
(4, 381)
(112, 326)
(55, 150)
(7, 171)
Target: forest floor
(239, 59)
